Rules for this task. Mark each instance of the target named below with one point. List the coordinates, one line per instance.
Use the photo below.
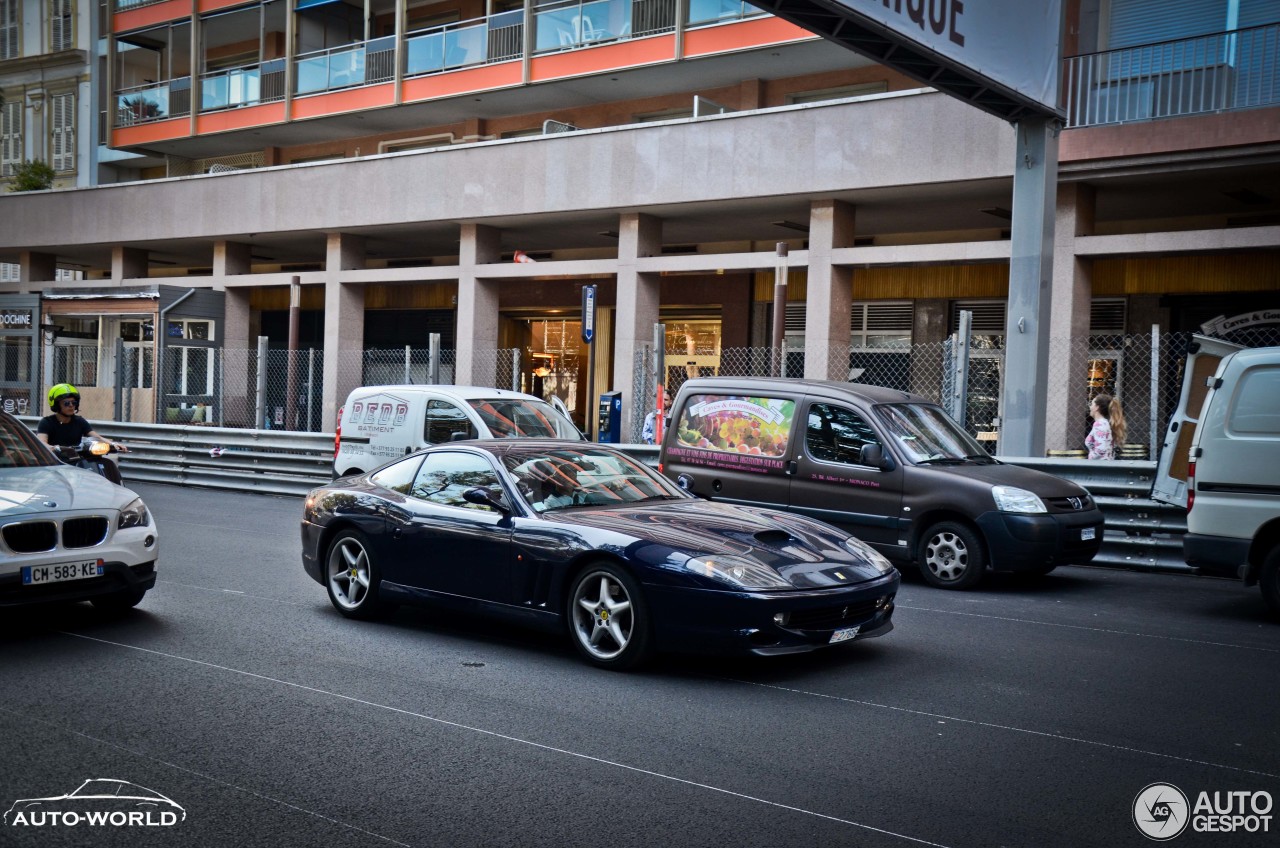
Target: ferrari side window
(445, 476)
(398, 477)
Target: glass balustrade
(558, 26)
(326, 70)
(442, 48)
(153, 102)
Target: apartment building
(395, 157)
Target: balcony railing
(563, 24)
(247, 85)
(464, 43)
(1225, 71)
(363, 63)
(153, 102)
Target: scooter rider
(65, 427)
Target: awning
(307, 4)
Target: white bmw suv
(67, 534)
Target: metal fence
(1143, 371)
(257, 388)
(1239, 69)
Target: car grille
(1075, 504)
(32, 537)
(831, 618)
(84, 532)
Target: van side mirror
(487, 497)
(874, 456)
(459, 436)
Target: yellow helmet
(60, 391)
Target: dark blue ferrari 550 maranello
(581, 536)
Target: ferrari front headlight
(859, 548)
(737, 572)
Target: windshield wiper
(943, 460)
(981, 457)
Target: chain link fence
(1143, 371)
(272, 390)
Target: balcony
(496, 38)
(1222, 72)
(248, 85)
(153, 102)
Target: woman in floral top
(1108, 428)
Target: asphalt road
(1029, 712)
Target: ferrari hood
(808, 554)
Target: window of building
(10, 29)
(838, 93)
(665, 115)
(62, 33)
(10, 137)
(419, 143)
(63, 109)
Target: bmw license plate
(1088, 533)
(844, 634)
(38, 575)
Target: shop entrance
(20, 354)
(553, 364)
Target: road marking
(507, 738)
(992, 725)
(25, 716)
(234, 592)
(1094, 629)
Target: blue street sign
(588, 313)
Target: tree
(32, 175)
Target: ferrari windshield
(928, 435)
(510, 418)
(589, 476)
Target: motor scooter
(93, 455)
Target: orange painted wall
(150, 15)
(236, 119)
(485, 77)
(624, 54)
(351, 100)
(746, 34)
(215, 5)
(150, 133)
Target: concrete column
(343, 324)
(237, 388)
(477, 331)
(1070, 296)
(128, 263)
(230, 259)
(637, 311)
(826, 348)
(35, 268)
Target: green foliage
(32, 175)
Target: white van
(380, 423)
(1230, 465)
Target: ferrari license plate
(1088, 533)
(38, 575)
(844, 635)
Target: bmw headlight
(737, 572)
(133, 515)
(861, 549)
(1013, 499)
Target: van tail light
(659, 467)
(337, 436)
(1191, 484)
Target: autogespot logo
(1160, 811)
(98, 803)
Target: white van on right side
(1233, 474)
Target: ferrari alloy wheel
(608, 618)
(352, 576)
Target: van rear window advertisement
(728, 431)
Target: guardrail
(1140, 534)
(268, 461)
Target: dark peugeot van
(890, 467)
